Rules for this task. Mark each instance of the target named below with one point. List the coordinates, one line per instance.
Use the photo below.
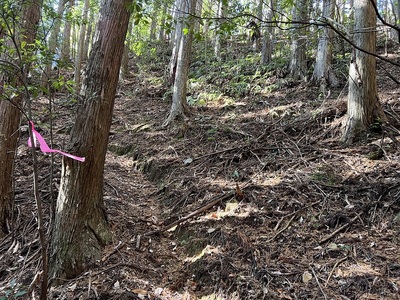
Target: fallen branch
(115, 250)
(327, 238)
(293, 215)
(319, 285)
(334, 267)
(219, 152)
(283, 229)
(194, 213)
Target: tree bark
(89, 35)
(260, 16)
(199, 13)
(66, 45)
(219, 34)
(297, 67)
(10, 109)
(323, 63)
(179, 106)
(53, 44)
(363, 107)
(80, 50)
(268, 36)
(81, 228)
(161, 33)
(154, 20)
(176, 39)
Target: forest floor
(255, 198)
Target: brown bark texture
(297, 66)
(179, 106)
(10, 109)
(81, 228)
(363, 107)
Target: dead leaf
(306, 277)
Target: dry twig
(333, 269)
(341, 228)
(194, 213)
(319, 285)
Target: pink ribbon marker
(45, 148)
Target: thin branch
(382, 19)
(341, 228)
(194, 213)
(319, 285)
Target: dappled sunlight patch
(220, 296)
(215, 100)
(357, 269)
(208, 250)
(126, 162)
(232, 209)
(269, 179)
(285, 110)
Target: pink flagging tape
(45, 148)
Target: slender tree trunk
(176, 15)
(125, 72)
(268, 36)
(198, 12)
(179, 104)
(10, 109)
(66, 46)
(80, 228)
(363, 107)
(219, 33)
(154, 19)
(323, 64)
(260, 15)
(161, 33)
(53, 44)
(175, 41)
(398, 20)
(89, 35)
(298, 66)
(80, 48)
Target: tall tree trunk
(398, 20)
(53, 44)
(154, 19)
(219, 34)
(260, 15)
(80, 49)
(363, 107)
(89, 35)
(268, 36)
(161, 33)
(10, 109)
(198, 12)
(125, 71)
(298, 64)
(81, 229)
(176, 39)
(179, 104)
(53, 39)
(66, 46)
(323, 63)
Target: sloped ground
(296, 215)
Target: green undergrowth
(233, 79)
(239, 72)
